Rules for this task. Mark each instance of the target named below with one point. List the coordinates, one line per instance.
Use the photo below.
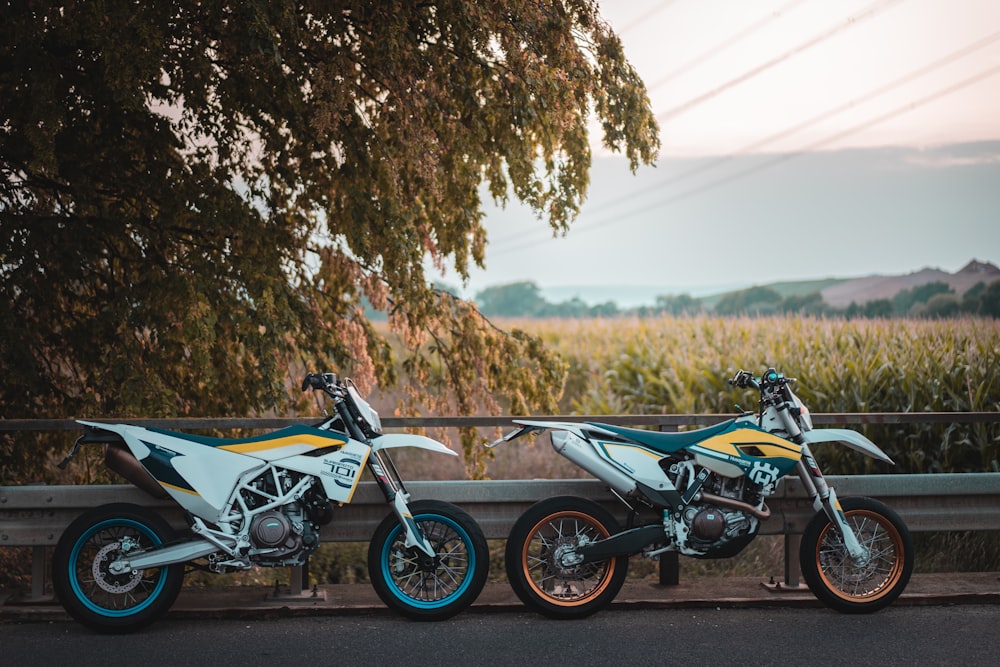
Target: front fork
(824, 498)
(395, 493)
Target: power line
(870, 11)
(645, 15)
(724, 45)
(798, 127)
(785, 157)
(906, 108)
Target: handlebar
(744, 379)
(325, 381)
(771, 378)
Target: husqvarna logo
(344, 471)
(763, 473)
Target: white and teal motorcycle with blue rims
(703, 494)
(261, 501)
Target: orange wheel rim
(564, 587)
(875, 580)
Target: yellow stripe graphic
(177, 488)
(773, 451)
(625, 448)
(314, 441)
(770, 445)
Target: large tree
(197, 194)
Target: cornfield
(681, 365)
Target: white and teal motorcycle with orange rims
(703, 493)
(261, 501)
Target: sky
(801, 139)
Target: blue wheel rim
(74, 578)
(469, 552)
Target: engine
(724, 516)
(287, 534)
(281, 537)
(717, 532)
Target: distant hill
(836, 292)
(785, 289)
(863, 290)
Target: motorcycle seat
(667, 443)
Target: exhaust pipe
(582, 453)
(762, 514)
(120, 459)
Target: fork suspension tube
(825, 499)
(385, 475)
(395, 493)
(816, 491)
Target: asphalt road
(926, 635)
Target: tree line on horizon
(931, 300)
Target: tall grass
(680, 365)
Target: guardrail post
(669, 569)
(37, 573)
(792, 543)
(295, 580)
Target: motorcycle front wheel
(839, 581)
(95, 596)
(424, 588)
(541, 536)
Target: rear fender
(580, 430)
(123, 431)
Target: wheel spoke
(99, 585)
(445, 576)
(544, 568)
(869, 579)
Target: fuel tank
(745, 449)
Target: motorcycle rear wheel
(442, 587)
(841, 583)
(90, 592)
(533, 547)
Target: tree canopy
(197, 195)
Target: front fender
(849, 438)
(391, 440)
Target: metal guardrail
(35, 516)
(662, 422)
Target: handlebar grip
(740, 379)
(313, 381)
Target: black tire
(532, 548)
(836, 579)
(429, 591)
(103, 601)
